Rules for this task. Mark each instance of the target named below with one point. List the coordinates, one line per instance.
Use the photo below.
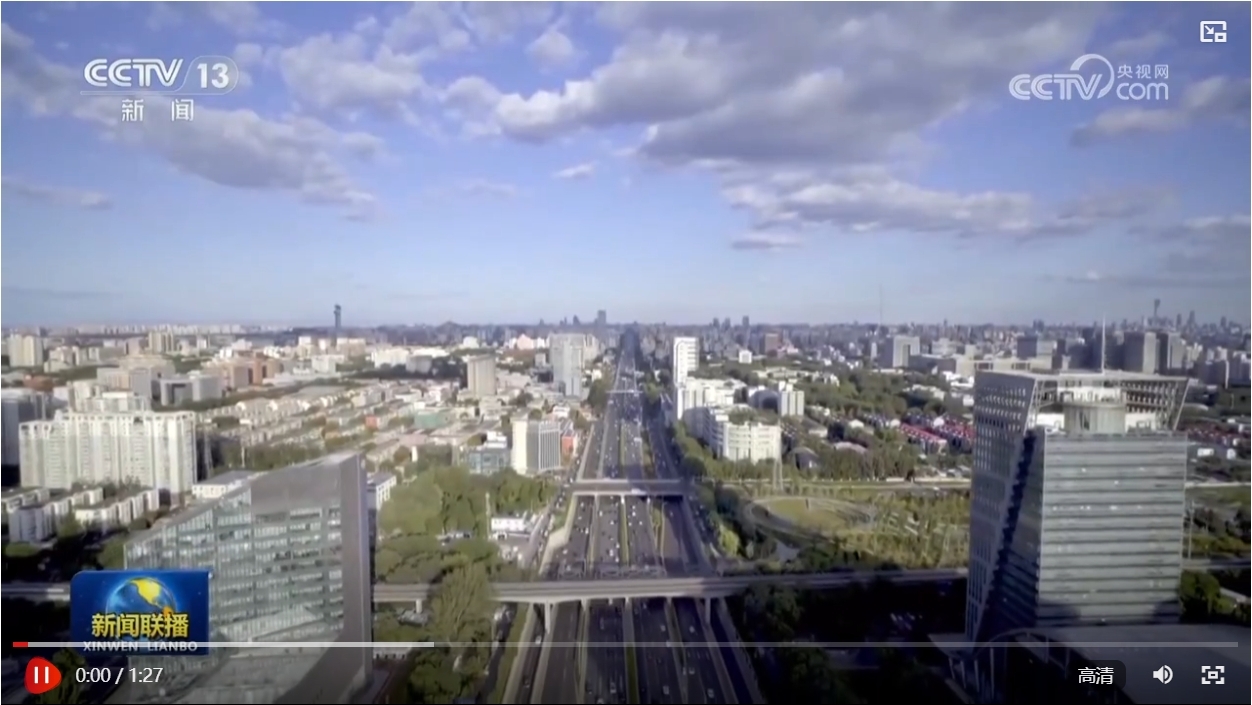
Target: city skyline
(493, 161)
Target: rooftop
(379, 478)
(230, 477)
(1086, 375)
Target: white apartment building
(684, 359)
(136, 380)
(160, 341)
(518, 453)
(112, 403)
(380, 486)
(747, 441)
(39, 513)
(151, 449)
(745, 357)
(17, 406)
(510, 525)
(790, 400)
(697, 393)
(536, 445)
(25, 351)
(117, 511)
(221, 485)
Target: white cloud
(826, 94)
(497, 22)
(240, 18)
(788, 83)
(1210, 253)
(1216, 99)
(578, 171)
(233, 148)
(871, 200)
(485, 187)
(342, 74)
(1138, 48)
(770, 242)
(552, 49)
(92, 200)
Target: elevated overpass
(638, 488)
(708, 587)
(712, 586)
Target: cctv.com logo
(1093, 85)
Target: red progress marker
(21, 644)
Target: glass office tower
(1077, 500)
(290, 558)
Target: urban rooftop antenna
(879, 327)
(1104, 342)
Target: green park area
(868, 529)
(824, 528)
(443, 514)
(1219, 522)
(434, 530)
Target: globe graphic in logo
(141, 596)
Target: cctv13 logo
(41, 676)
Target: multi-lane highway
(606, 669)
(655, 666)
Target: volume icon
(1164, 674)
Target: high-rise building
(517, 454)
(17, 406)
(790, 400)
(567, 351)
(684, 359)
(895, 353)
(150, 449)
(290, 554)
(25, 351)
(1171, 352)
(536, 445)
(1078, 497)
(543, 446)
(1139, 351)
(160, 342)
(480, 376)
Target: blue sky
(670, 161)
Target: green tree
(462, 605)
(598, 395)
(414, 506)
(113, 554)
(69, 528)
(20, 550)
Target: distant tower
(338, 319)
(1156, 310)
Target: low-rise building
(215, 487)
(736, 433)
(504, 525)
(35, 515)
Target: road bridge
(920, 484)
(637, 488)
(712, 586)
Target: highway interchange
(667, 641)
